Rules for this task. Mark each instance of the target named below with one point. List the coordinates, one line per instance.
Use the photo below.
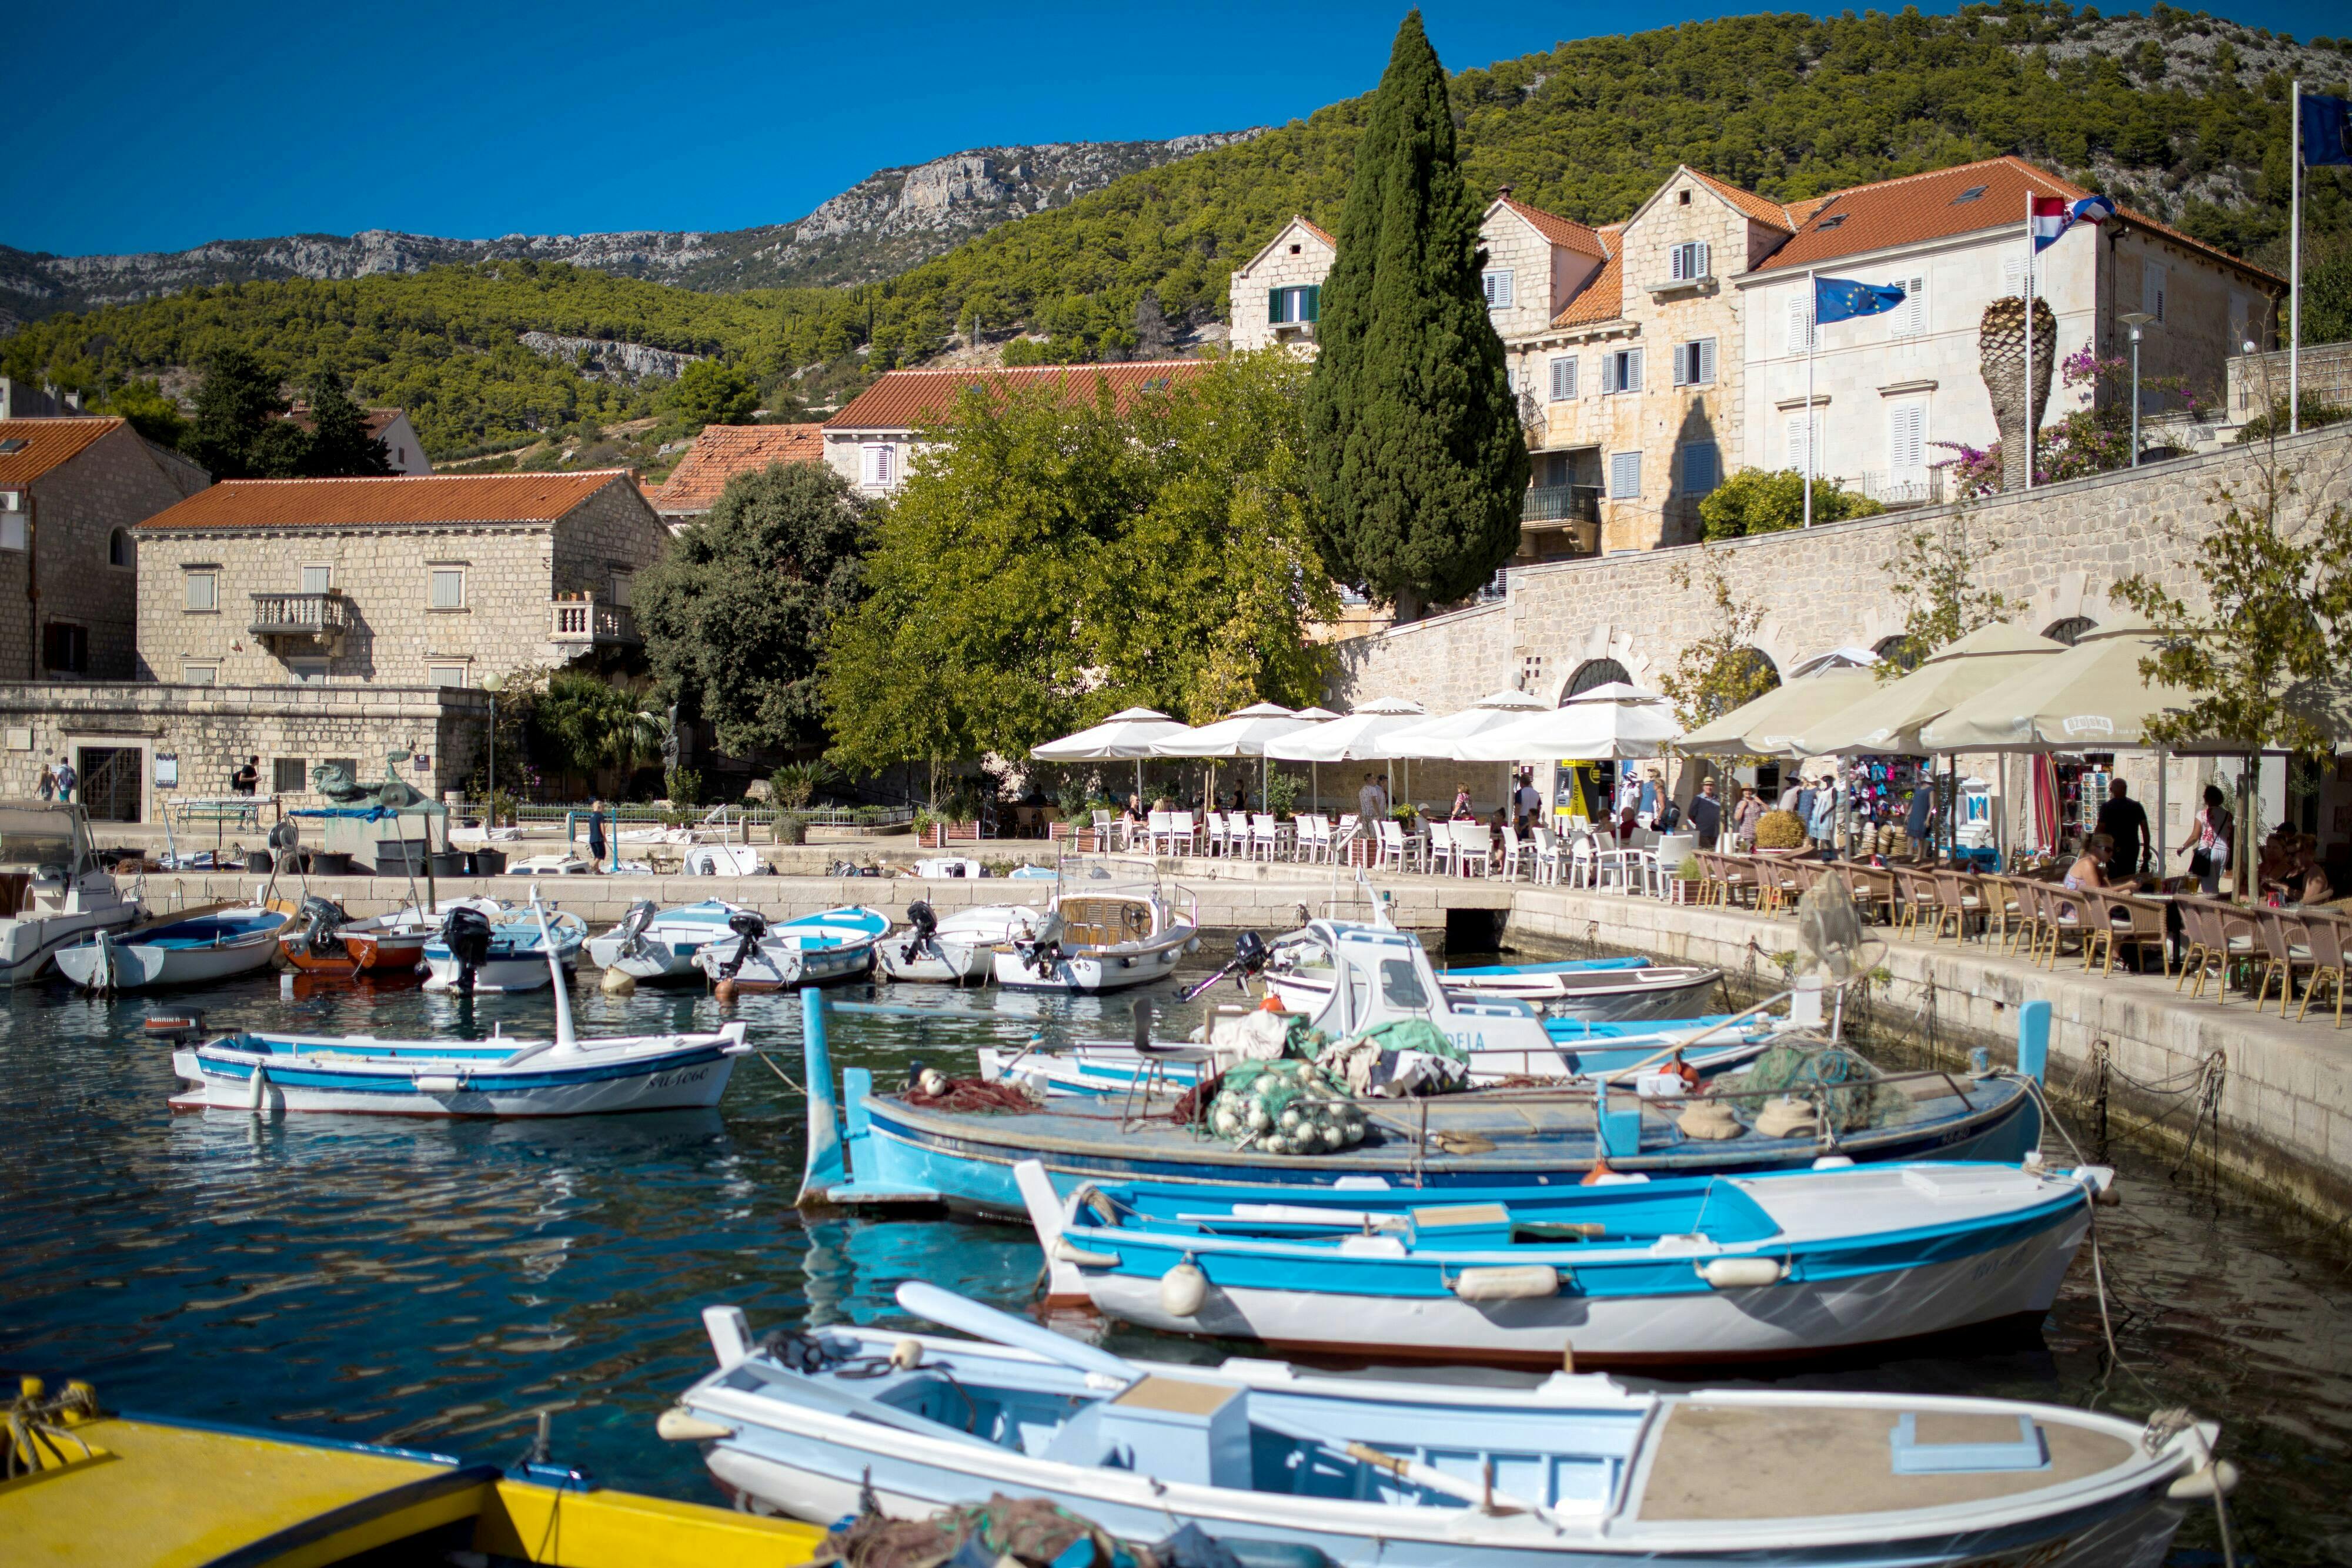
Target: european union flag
(1840, 298)
(2327, 131)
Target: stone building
(870, 442)
(71, 489)
(722, 451)
(1277, 294)
(432, 581)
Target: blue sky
(143, 127)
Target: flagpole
(1812, 332)
(2294, 276)
(2029, 337)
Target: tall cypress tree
(1419, 463)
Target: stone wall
(76, 509)
(1277, 268)
(209, 730)
(2257, 381)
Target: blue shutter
(1314, 311)
(1273, 306)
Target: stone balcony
(583, 620)
(302, 617)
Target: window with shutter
(2152, 282)
(1909, 318)
(1707, 362)
(1907, 436)
(2012, 280)
(1314, 302)
(1797, 432)
(881, 464)
(1687, 261)
(1273, 306)
(1625, 476)
(1800, 322)
(1701, 468)
(1633, 369)
(1498, 290)
(1563, 379)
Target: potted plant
(1688, 879)
(1779, 833)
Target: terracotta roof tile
(910, 400)
(723, 451)
(1603, 298)
(1316, 230)
(400, 499)
(1764, 212)
(48, 442)
(1925, 207)
(1561, 230)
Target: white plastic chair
(1181, 831)
(1155, 830)
(1513, 846)
(1265, 837)
(1394, 848)
(1547, 857)
(1313, 840)
(1344, 835)
(1473, 849)
(1102, 830)
(1584, 862)
(1212, 832)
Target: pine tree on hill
(339, 446)
(1419, 463)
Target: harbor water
(438, 1284)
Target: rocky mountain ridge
(887, 221)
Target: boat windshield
(35, 838)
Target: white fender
(1742, 1273)
(1183, 1289)
(1513, 1282)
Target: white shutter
(1610, 364)
(1563, 379)
(1907, 436)
(1625, 476)
(1800, 320)
(1498, 290)
(1703, 254)
(1706, 376)
(1633, 369)
(2012, 280)
(1910, 318)
(1797, 432)
(1682, 363)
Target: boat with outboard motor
(502, 949)
(893, 1148)
(650, 944)
(53, 886)
(1299, 970)
(1635, 1270)
(1109, 925)
(181, 950)
(321, 938)
(821, 949)
(954, 949)
(1578, 1471)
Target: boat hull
(688, 1079)
(1092, 972)
(771, 967)
(1602, 995)
(386, 950)
(525, 972)
(29, 944)
(138, 967)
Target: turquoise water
(438, 1284)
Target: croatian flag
(2053, 216)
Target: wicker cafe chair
(2217, 936)
(2066, 913)
(2004, 907)
(1923, 901)
(2326, 935)
(2281, 954)
(1959, 900)
(1874, 890)
(2111, 918)
(1739, 884)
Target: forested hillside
(2178, 114)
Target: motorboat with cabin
(1605, 990)
(1109, 925)
(52, 885)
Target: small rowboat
(954, 949)
(322, 939)
(1577, 1471)
(655, 944)
(187, 951)
(516, 957)
(1671, 1269)
(819, 949)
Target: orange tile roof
(1921, 207)
(1764, 212)
(1316, 231)
(723, 451)
(48, 442)
(1561, 230)
(910, 400)
(1603, 298)
(401, 499)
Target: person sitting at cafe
(2311, 883)
(2090, 868)
(2276, 862)
(1462, 811)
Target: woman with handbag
(2208, 844)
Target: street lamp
(2136, 319)
(491, 684)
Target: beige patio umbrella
(2091, 697)
(1888, 718)
(1764, 726)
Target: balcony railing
(585, 623)
(1562, 504)
(318, 615)
(1913, 488)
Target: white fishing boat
(1299, 970)
(1108, 927)
(1576, 1471)
(52, 886)
(819, 949)
(185, 950)
(564, 1075)
(505, 950)
(953, 949)
(652, 944)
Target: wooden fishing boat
(821, 949)
(1631, 1270)
(885, 1148)
(1575, 1472)
(185, 950)
(322, 939)
(87, 1487)
(53, 890)
(1109, 925)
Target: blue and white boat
(1303, 968)
(819, 949)
(263, 1071)
(1577, 1471)
(653, 944)
(882, 1149)
(1628, 1270)
(187, 951)
(517, 956)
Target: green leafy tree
(150, 411)
(709, 391)
(1766, 501)
(587, 726)
(1721, 669)
(338, 445)
(1939, 574)
(736, 612)
(1053, 558)
(240, 431)
(1419, 462)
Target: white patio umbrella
(1613, 722)
(1127, 734)
(1244, 734)
(1440, 736)
(1348, 739)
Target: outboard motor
(922, 924)
(631, 930)
(750, 926)
(468, 932)
(1042, 950)
(319, 919)
(1249, 958)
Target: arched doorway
(2069, 631)
(1594, 673)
